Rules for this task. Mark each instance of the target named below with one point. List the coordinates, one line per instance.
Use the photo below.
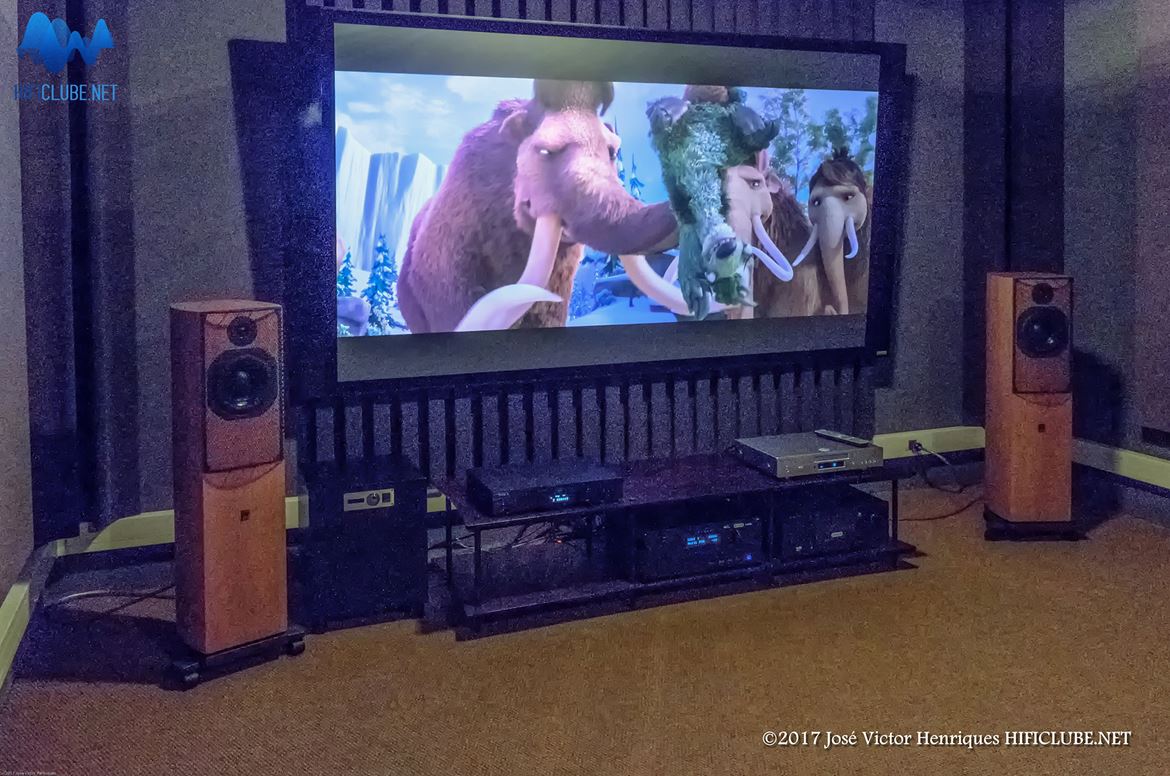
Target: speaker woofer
(242, 384)
(1042, 332)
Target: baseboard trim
(18, 605)
(952, 439)
(1126, 464)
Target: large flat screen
(519, 201)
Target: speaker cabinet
(1028, 477)
(227, 402)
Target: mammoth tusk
(671, 275)
(653, 285)
(808, 246)
(851, 233)
(766, 241)
(501, 308)
(546, 240)
(782, 272)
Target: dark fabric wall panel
(662, 415)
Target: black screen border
(310, 307)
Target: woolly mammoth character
(789, 228)
(501, 240)
(698, 138)
(838, 208)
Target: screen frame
(311, 313)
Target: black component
(242, 383)
(362, 562)
(998, 529)
(697, 538)
(839, 436)
(828, 520)
(518, 488)
(725, 247)
(1042, 332)
(242, 331)
(193, 667)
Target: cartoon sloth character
(698, 138)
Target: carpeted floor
(981, 638)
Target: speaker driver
(242, 331)
(241, 384)
(1042, 332)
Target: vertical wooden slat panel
(591, 429)
(568, 415)
(788, 404)
(482, 8)
(863, 407)
(306, 433)
(746, 16)
(382, 440)
(436, 436)
(586, 12)
(826, 397)
(542, 427)
(325, 446)
(411, 431)
(463, 425)
(749, 406)
(610, 12)
(510, 9)
(724, 16)
(637, 414)
(845, 390)
(767, 17)
(354, 448)
(704, 399)
(368, 438)
(703, 14)
(490, 411)
(684, 417)
(809, 401)
(561, 10)
(614, 441)
(786, 16)
(428, 6)
(680, 14)
(635, 13)
(727, 412)
(657, 14)
(661, 420)
(518, 428)
(769, 419)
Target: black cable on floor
(953, 513)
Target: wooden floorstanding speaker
(230, 556)
(1028, 455)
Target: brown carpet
(981, 638)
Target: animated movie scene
(472, 203)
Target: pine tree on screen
(380, 291)
(345, 283)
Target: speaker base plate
(191, 669)
(997, 529)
